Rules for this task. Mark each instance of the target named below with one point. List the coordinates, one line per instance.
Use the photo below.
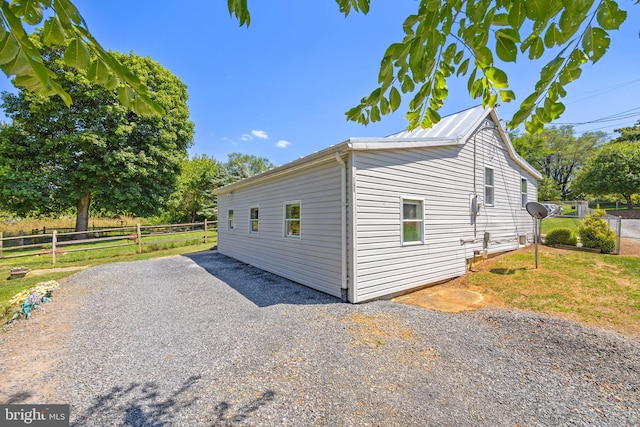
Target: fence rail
(55, 243)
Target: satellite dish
(537, 210)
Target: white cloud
(260, 134)
(283, 144)
(246, 137)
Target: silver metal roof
(452, 126)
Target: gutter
(344, 285)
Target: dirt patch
(629, 247)
(31, 350)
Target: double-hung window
(253, 219)
(523, 192)
(412, 221)
(292, 217)
(230, 222)
(489, 193)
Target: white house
(374, 217)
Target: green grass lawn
(551, 223)
(591, 288)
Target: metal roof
(456, 125)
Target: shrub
(560, 236)
(595, 233)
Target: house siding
(444, 178)
(314, 259)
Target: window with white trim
(489, 193)
(253, 219)
(523, 192)
(412, 221)
(230, 222)
(292, 216)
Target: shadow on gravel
(259, 286)
(138, 405)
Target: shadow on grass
(506, 271)
(260, 287)
(142, 405)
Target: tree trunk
(627, 197)
(82, 215)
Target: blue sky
(279, 89)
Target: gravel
(205, 340)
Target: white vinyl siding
(443, 178)
(292, 219)
(314, 259)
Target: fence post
(1, 241)
(139, 236)
(53, 246)
(206, 239)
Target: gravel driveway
(205, 340)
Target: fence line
(56, 243)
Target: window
(253, 220)
(292, 219)
(412, 221)
(230, 222)
(523, 191)
(488, 187)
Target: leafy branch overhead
(64, 26)
(468, 38)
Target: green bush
(561, 236)
(595, 233)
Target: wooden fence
(55, 243)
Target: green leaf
(497, 77)
(67, 13)
(126, 95)
(9, 48)
(553, 36)
(569, 74)
(19, 65)
(595, 43)
(384, 106)
(501, 19)
(556, 110)
(506, 48)
(484, 57)
(54, 34)
(77, 55)
(241, 11)
(535, 45)
(517, 14)
(462, 69)
(609, 15)
(394, 98)
(30, 10)
(98, 72)
(507, 95)
(407, 84)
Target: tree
(443, 39)
(631, 133)
(96, 152)
(193, 199)
(242, 166)
(64, 27)
(614, 169)
(557, 153)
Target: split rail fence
(56, 243)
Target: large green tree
(631, 133)
(242, 166)
(614, 169)
(557, 153)
(443, 39)
(95, 152)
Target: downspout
(344, 286)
